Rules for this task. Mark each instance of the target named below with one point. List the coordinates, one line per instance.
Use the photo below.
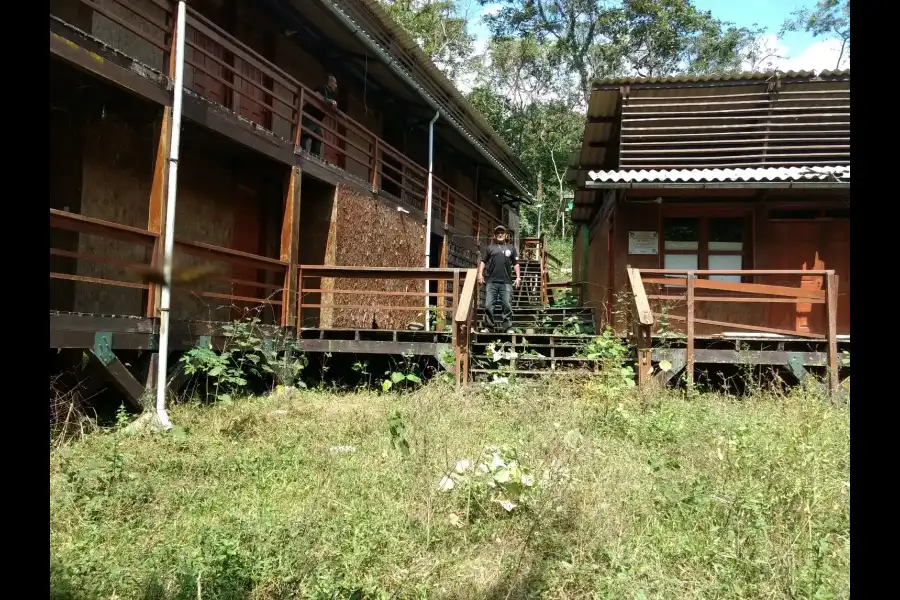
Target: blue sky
(795, 50)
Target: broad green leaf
(665, 366)
(413, 378)
(386, 385)
(397, 377)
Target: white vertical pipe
(428, 213)
(169, 239)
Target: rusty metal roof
(836, 174)
(723, 78)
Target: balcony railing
(221, 69)
(681, 286)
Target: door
(245, 238)
(809, 245)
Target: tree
(439, 27)
(542, 133)
(590, 39)
(828, 18)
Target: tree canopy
(533, 77)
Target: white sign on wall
(643, 242)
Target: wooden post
(689, 350)
(156, 219)
(298, 134)
(453, 299)
(375, 167)
(290, 247)
(299, 300)
(642, 325)
(447, 208)
(831, 301)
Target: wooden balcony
(221, 69)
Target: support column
(156, 219)
(290, 248)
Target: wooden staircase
(546, 340)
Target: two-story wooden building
(748, 175)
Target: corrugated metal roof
(745, 76)
(826, 173)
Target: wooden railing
(124, 273)
(222, 69)
(261, 92)
(821, 289)
(535, 250)
(356, 297)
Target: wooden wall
(370, 233)
(771, 243)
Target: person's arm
(481, 261)
(516, 268)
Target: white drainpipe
(428, 212)
(169, 239)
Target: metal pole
(169, 240)
(428, 212)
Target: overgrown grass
(310, 495)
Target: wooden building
(681, 177)
(269, 177)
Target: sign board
(643, 242)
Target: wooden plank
(785, 332)
(372, 347)
(750, 299)
(98, 65)
(747, 288)
(377, 272)
(689, 350)
(157, 210)
(834, 379)
(118, 374)
(220, 120)
(290, 246)
(642, 305)
(92, 323)
(738, 357)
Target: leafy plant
(499, 478)
(397, 429)
(406, 376)
(246, 353)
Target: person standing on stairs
(495, 269)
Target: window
(705, 243)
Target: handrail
(759, 293)
(467, 296)
(370, 152)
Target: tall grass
(304, 495)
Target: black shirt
(498, 262)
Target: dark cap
(500, 228)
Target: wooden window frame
(704, 214)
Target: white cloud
(818, 56)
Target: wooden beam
(290, 246)
(101, 66)
(156, 218)
(118, 373)
(609, 119)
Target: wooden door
(809, 245)
(208, 75)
